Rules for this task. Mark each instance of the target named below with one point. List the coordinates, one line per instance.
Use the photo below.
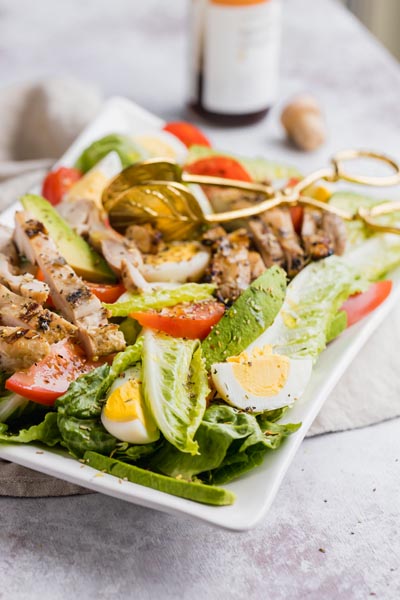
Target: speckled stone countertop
(333, 530)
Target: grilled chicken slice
(76, 214)
(132, 277)
(24, 284)
(16, 311)
(147, 239)
(266, 243)
(257, 266)
(69, 294)
(335, 227)
(280, 221)
(20, 348)
(7, 246)
(230, 268)
(317, 242)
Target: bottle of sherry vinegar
(234, 59)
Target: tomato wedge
(48, 379)
(193, 321)
(106, 292)
(59, 182)
(219, 166)
(188, 134)
(360, 305)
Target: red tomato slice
(219, 166)
(48, 379)
(360, 305)
(106, 292)
(193, 321)
(187, 133)
(58, 182)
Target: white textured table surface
(333, 531)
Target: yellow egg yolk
(125, 402)
(173, 253)
(260, 372)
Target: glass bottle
(234, 59)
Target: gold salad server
(156, 191)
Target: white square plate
(256, 490)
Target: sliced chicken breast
(20, 348)
(24, 284)
(69, 293)
(16, 311)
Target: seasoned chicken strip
(69, 293)
(20, 348)
(147, 239)
(266, 243)
(257, 266)
(23, 312)
(280, 221)
(24, 284)
(230, 268)
(335, 227)
(317, 243)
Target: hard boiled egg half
(177, 262)
(260, 380)
(125, 414)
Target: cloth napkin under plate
(41, 122)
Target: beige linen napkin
(41, 123)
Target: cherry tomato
(57, 183)
(187, 133)
(219, 166)
(49, 378)
(360, 305)
(193, 321)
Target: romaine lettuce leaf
(160, 298)
(79, 409)
(47, 432)
(313, 300)
(175, 387)
(230, 443)
(80, 435)
(258, 168)
(124, 146)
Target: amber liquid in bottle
(234, 52)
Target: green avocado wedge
(198, 492)
(79, 255)
(248, 317)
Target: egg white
(231, 390)
(179, 271)
(133, 431)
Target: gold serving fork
(156, 191)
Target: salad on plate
(173, 363)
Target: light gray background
(333, 531)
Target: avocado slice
(78, 254)
(197, 491)
(251, 314)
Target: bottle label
(241, 55)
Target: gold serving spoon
(156, 191)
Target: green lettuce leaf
(79, 409)
(175, 387)
(160, 298)
(258, 168)
(124, 146)
(81, 435)
(46, 432)
(230, 443)
(313, 300)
